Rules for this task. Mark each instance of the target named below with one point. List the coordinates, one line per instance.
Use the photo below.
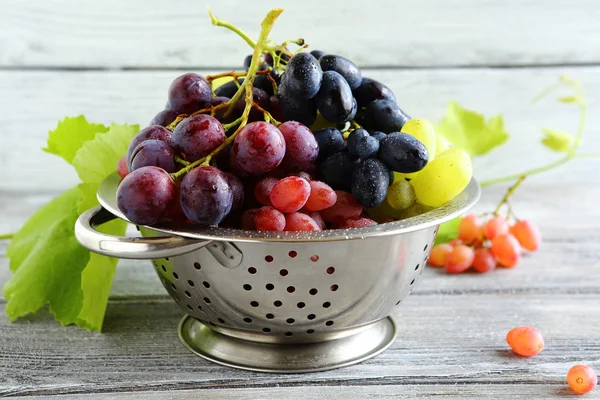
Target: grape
(346, 207)
(269, 219)
(370, 181)
(316, 216)
(441, 144)
(334, 100)
(301, 148)
(378, 135)
(297, 109)
(382, 115)
(344, 67)
(527, 234)
(401, 195)
(188, 93)
(317, 54)
(151, 132)
(259, 147)
(330, 141)
(237, 191)
(298, 221)
(145, 195)
(164, 118)
(122, 167)
(484, 260)
(455, 242)
(439, 254)
(303, 76)
(470, 229)
(459, 260)
(526, 341)
(247, 219)
(321, 196)
(424, 132)
(403, 153)
(301, 174)
(259, 97)
(361, 144)
(414, 210)
(235, 167)
(443, 179)
(153, 153)
(269, 57)
(198, 136)
(263, 82)
(219, 100)
(495, 226)
(290, 194)
(228, 89)
(357, 223)
(206, 197)
(582, 378)
(370, 90)
(506, 249)
(337, 171)
(263, 188)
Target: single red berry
(460, 259)
(526, 341)
(494, 227)
(527, 234)
(484, 260)
(582, 379)
(439, 254)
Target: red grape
(460, 259)
(275, 108)
(526, 341)
(146, 194)
(322, 196)
(259, 147)
(237, 191)
(268, 218)
(302, 174)
(263, 188)
(455, 242)
(164, 118)
(527, 234)
(470, 230)
(582, 378)
(247, 220)
(259, 97)
(290, 194)
(506, 249)
(346, 207)
(439, 254)
(206, 197)
(198, 136)
(122, 167)
(153, 153)
(155, 132)
(484, 260)
(298, 221)
(188, 93)
(357, 223)
(316, 216)
(495, 226)
(301, 147)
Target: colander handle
(138, 248)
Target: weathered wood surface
(33, 101)
(408, 33)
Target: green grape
(424, 132)
(442, 144)
(443, 178)
(321, 123)
(383, 212)
(414, 210)
(401, 194)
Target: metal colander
(285, 301)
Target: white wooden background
(112, 60)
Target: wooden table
(113, 62)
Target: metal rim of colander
(456, 207)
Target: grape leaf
(468, 130)
(448, 231)
(69, 136)
(558, 141)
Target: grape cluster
(314, 146)
(484, 246)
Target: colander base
(284, 357)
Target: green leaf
(69, 136)
(98, 158)
(558, 141)
(448, 231)
(468, 130)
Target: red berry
(526, 341)
(484, 260)
(259, 147)
(582, 379)
(455, 242)
(263, 189)
(122, 167)
(269, 219)
(316, 216)
(297, 221)
(290, 194)
(321, 196)
(439, 254)
(302, 174)
(527, 234)
(247, 219)
(301, 148)
(346, 207)
(495, 226)
(460, 259)
(506, 249)
(469, 229)
(357, 223)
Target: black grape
(228, 89)
(330, 141)
(259, 97)
(237, 191)
(370, 182)
(264, 83)
(317, 54)
(164, 118)
(153, 153)
(334, 100)
(360, 143)
(344, 67)
(378, 135)
(297, 109)
(382, 115)
(370, 90)
(403, 153)
(337, 170)
(148, 133)
(303, 76)
(188, 93)
(206, 196)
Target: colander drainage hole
(310, 331)
(188, 294)
(412, 282)
(326, 304)
(191, 283)
(314, 258)
(269, 258)
(292, 254)
(266, 330)
(330, 270)
(190, 307)
(254, 303)
(252, 270)
(269, 286)
(164, 268)
(137, 228)
(283, 272)
(207, 300)
(206, 284)
(200, 308)
(247, 320)
(173, 286)
(329, 323)
(247, 287)
(398, 302)
(425, 248)
(311, 316)
(221, 320)
(212, 323)
(167, 259)
(301, 305)
(313, 291)
(277, 303)
(291, 289)
(417, 267)
(197, 265)
(288, 334)
(334, 288)
(270, 316)
(290, 320)
(175, 275)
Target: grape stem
(509, 193)
(181, 160)
(219, 22)
(7, 236)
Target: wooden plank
(410, 33)
(134, 97)
(443, 340)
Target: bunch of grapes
(486, 245)
(297, 141)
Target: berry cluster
(483, 246)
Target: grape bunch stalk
(297, 141)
